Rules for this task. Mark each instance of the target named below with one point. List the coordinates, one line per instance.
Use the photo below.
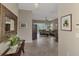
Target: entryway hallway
(43, 46)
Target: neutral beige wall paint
(12, 7)
(25, 17)
(68, 42)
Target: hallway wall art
(66, 22)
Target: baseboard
(28, 41)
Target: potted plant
(14, 41)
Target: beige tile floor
(43, 46)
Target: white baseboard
(28, 41)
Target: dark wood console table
(17, 51)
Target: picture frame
(66, 22)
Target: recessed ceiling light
(36, 5)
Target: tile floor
(43, 46)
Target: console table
(15, 51)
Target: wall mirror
(8, 23)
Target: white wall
(25, 17)
(13, 7)
(68, 42)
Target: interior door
(34, 31)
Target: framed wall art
(66, 22)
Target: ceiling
(41, 11)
